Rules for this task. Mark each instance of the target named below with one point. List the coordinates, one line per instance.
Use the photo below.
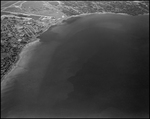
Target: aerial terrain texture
(74, 59)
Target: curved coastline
(47, 76)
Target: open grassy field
(7, 3)
(38, 8)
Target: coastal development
(17, 31)
(74, 58)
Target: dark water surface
(94, 66)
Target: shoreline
(59, 23)
(64, 20)
(25, 50)
(55, 71)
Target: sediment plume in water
(96, 66)
(8, 83)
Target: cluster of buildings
(133, 8)
(16, 32)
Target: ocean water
(90, 66)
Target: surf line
(21, 64)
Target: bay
(91, 66)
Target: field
(7, 3)
(39, 8)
